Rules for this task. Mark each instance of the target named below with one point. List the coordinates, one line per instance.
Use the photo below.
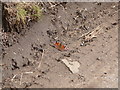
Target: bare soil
(98, 57)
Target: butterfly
(59, 46)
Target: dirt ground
(98, 57)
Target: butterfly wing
(59, 46)
(62, 47)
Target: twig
(41, 60)
(13, 77)
(91, 34)
(51, 5)
(28, 72)
(21, 76)
(21, 79)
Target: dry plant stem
(28, 72)
(41, 60)
(63, 8)
(13, 77)
(21, 76)
(21, 79)
(51, 5)
(43, 3)
(91, 34)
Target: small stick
(28, 72)
(97, 29)
(41, 60)
(21, 79)
(13, 77)
(51, 5)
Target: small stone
(27, 84)
(105, 73)
(67, 54)
(98, 58)
(58, 60)
(113, 6)
(14, 53)
(81, 44)
(114, 23)
(91, 50)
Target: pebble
(14, 53)
(98, 58)
(67, 54)
(81, 44)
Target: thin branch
(41, 60)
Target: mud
(68, 25)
